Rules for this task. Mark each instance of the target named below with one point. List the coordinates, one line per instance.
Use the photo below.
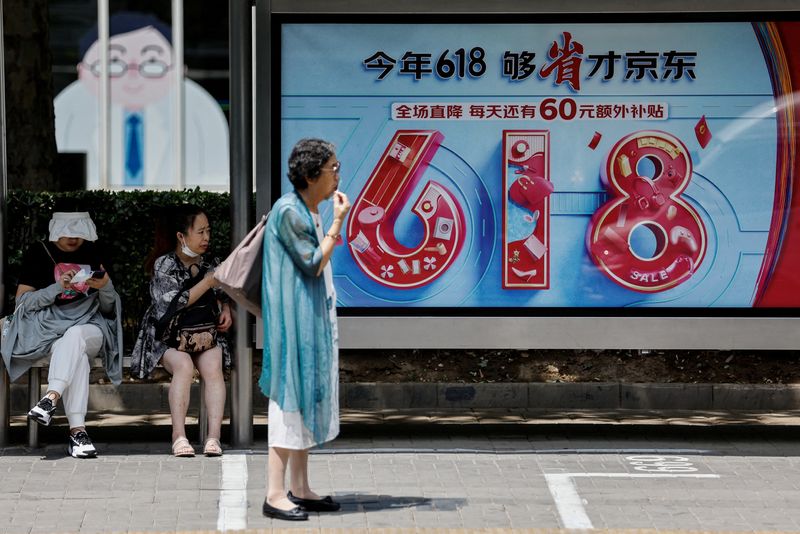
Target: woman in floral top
(182, 275)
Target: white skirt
(286, 429)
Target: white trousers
(69, 369)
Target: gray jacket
(37, 323)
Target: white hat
(72, 224)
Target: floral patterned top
(169, 276)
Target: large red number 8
(647, 205)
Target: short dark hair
(306, 160)
(169, 221)
(125, 22)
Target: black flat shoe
(326, 504)
(295, 514)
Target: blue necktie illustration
(133, 151)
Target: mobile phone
(98, 274)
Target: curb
(131, 398)
(572, 396)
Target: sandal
(212, 447)
(181, 448)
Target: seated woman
(184, 326)
(66, 308)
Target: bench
(35, 393)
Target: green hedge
(125, 223)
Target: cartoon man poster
(141, 124)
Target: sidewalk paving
(410, 471)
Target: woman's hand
(65, 278)
(199, 289)
(97, 283)
(225, 319)
(341, 205)
(209, 280)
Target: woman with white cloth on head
(66, 308)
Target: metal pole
(105, 93)
(202, 413)
(262, 107)
(262, 117)
(178, 110)
(5, 387)
(34, 392)
(241, 182)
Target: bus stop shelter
(255, 125)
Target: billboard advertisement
(554, 165)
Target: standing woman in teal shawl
(300, 371)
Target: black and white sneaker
(80, 445)
(43, 412)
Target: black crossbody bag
(193, 328)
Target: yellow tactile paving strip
(450, 531)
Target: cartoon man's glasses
(333, 168)
(152, 68)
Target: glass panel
(142, 92)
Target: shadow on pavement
(359, 503)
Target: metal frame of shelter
(723, 330)
(5, 402)
(474, 330)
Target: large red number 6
(370, 231)
(650, 203)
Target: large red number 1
(650, 205)
(526, 170)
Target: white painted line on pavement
(233, 493)
(569, 503)
(639, 475)
(456, 450)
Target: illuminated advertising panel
(557, 165)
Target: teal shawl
(296, 371)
